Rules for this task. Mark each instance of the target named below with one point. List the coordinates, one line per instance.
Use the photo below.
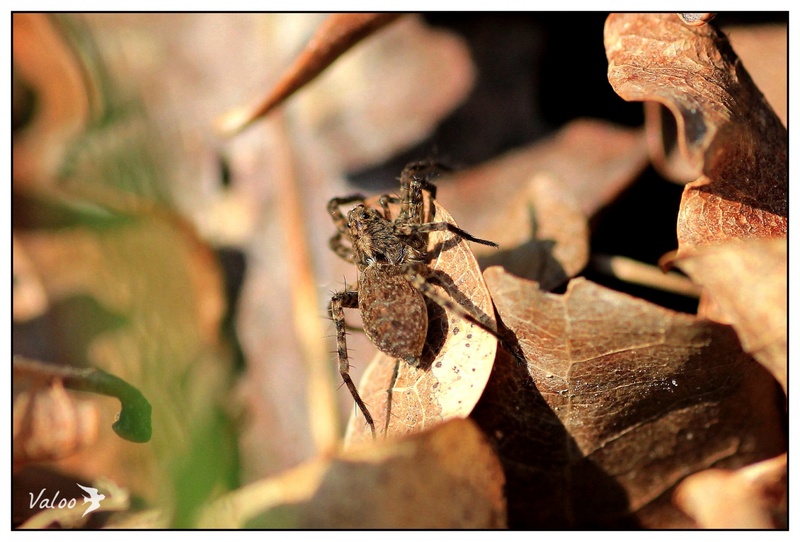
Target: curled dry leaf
(50, 424)
(457, 358)
(753, 497)
(727, 132)
(748, 284)
(44, 61)
(619, 401)
(534, 201)
(696, 19)
(445, 478)
(762, 49)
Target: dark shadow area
(532, 259)
(540, 458)
(721, 401)
(438, 328)
(529, 81)
(640, 224)
(233, 264)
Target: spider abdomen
(393, 312)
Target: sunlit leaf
(727, 131)
(619, 401)
(457, 359)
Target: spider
(392, 260)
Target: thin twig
(134, 419)
(629, 270)
(336, 35)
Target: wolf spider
(392, 260)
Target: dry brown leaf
(762, 49)
(620, 400)
(50, 424)
(542, 232)
(727, 132)
(696, 19)
(445, 478)
(594, 159)
(753, 497)
(748, 284)
(534, 201)
(457, 358)
(45, 62)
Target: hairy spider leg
(414, 272)
(341, 300)
(413, 180)
(335, 242)
(343, 251)
(414, 229)
(384, 202)
(336, 214)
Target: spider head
(373, 237)
(361, 221)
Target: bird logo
(94, 498)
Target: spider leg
(340, 301)
(343, 251)
(413, 180)
(384, 202)
(414, 273)
(336, 214)
(414, 229)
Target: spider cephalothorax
(392, 260)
